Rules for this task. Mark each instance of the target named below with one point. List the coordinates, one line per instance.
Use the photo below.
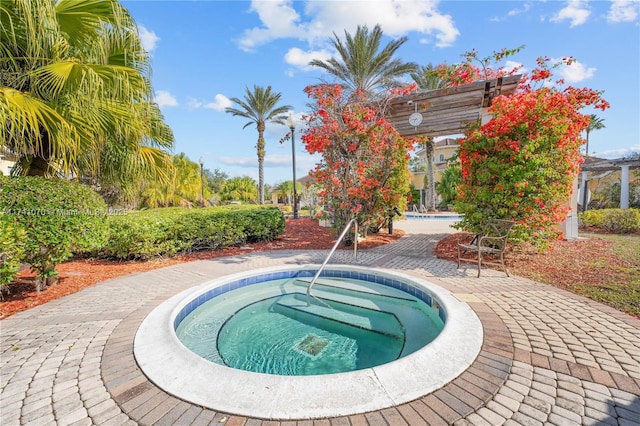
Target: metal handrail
(335, 246)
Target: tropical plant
(285, 190)
(595, 123)
(426, 79)
(240, 189)
(260, 106)
(75, 92)
(215, 180)
(450, 180)
(361, 67)
(183, 187)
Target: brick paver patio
(548, 357)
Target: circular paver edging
(185, 375)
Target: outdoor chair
(491, 243)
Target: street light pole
(291, 122)
(202, 179)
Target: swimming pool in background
(433, 216)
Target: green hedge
(165, 232)
(620, 221)
(12, 247)
(58, 216)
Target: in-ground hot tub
(396, 361)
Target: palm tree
(75, 92)
(449, 183)
(595, 123)
(260, 106)
(425, 78)
(239, 189)
(183, 188)
(360, 66)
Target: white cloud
(513, 12)
(300, 59)
(618, 153)
(576, 11)
(623, 11)
(279, 20)
(304, 162)
(194, 103)
(323, 18)
(575, 72)
(511, 65)
(525, 8)
(239, 161)
(165, 99)
(220, 103)
(148, 38)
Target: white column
(570, 226)
(624, 187)
(584, 191)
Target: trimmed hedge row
(12, 247)
(58, 218)
(165, 232)
(44, 222)
(620, 221)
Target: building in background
(444, 150)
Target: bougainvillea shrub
(364, 167)
(521, 164)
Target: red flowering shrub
(363, 171)
(521, 165)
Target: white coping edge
(182, 373)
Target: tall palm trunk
(431, 191)
(261, 152)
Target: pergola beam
(447, 111)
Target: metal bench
(492, 242)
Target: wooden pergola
(447, 111)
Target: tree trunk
(431, 191)
(261, 152)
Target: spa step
(345, 285)
(407, 314)
(295, 306)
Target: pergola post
(624, 186)
(585, 191)
(570, 226)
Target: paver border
(146, 403)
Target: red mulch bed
(562, 265)
(300, 234)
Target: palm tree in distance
(426, 80)
(595, 123)
(260, 106)
(360, 67)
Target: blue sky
(205, 52)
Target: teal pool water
(272, 327)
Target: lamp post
(291, 122)
(202, 179)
